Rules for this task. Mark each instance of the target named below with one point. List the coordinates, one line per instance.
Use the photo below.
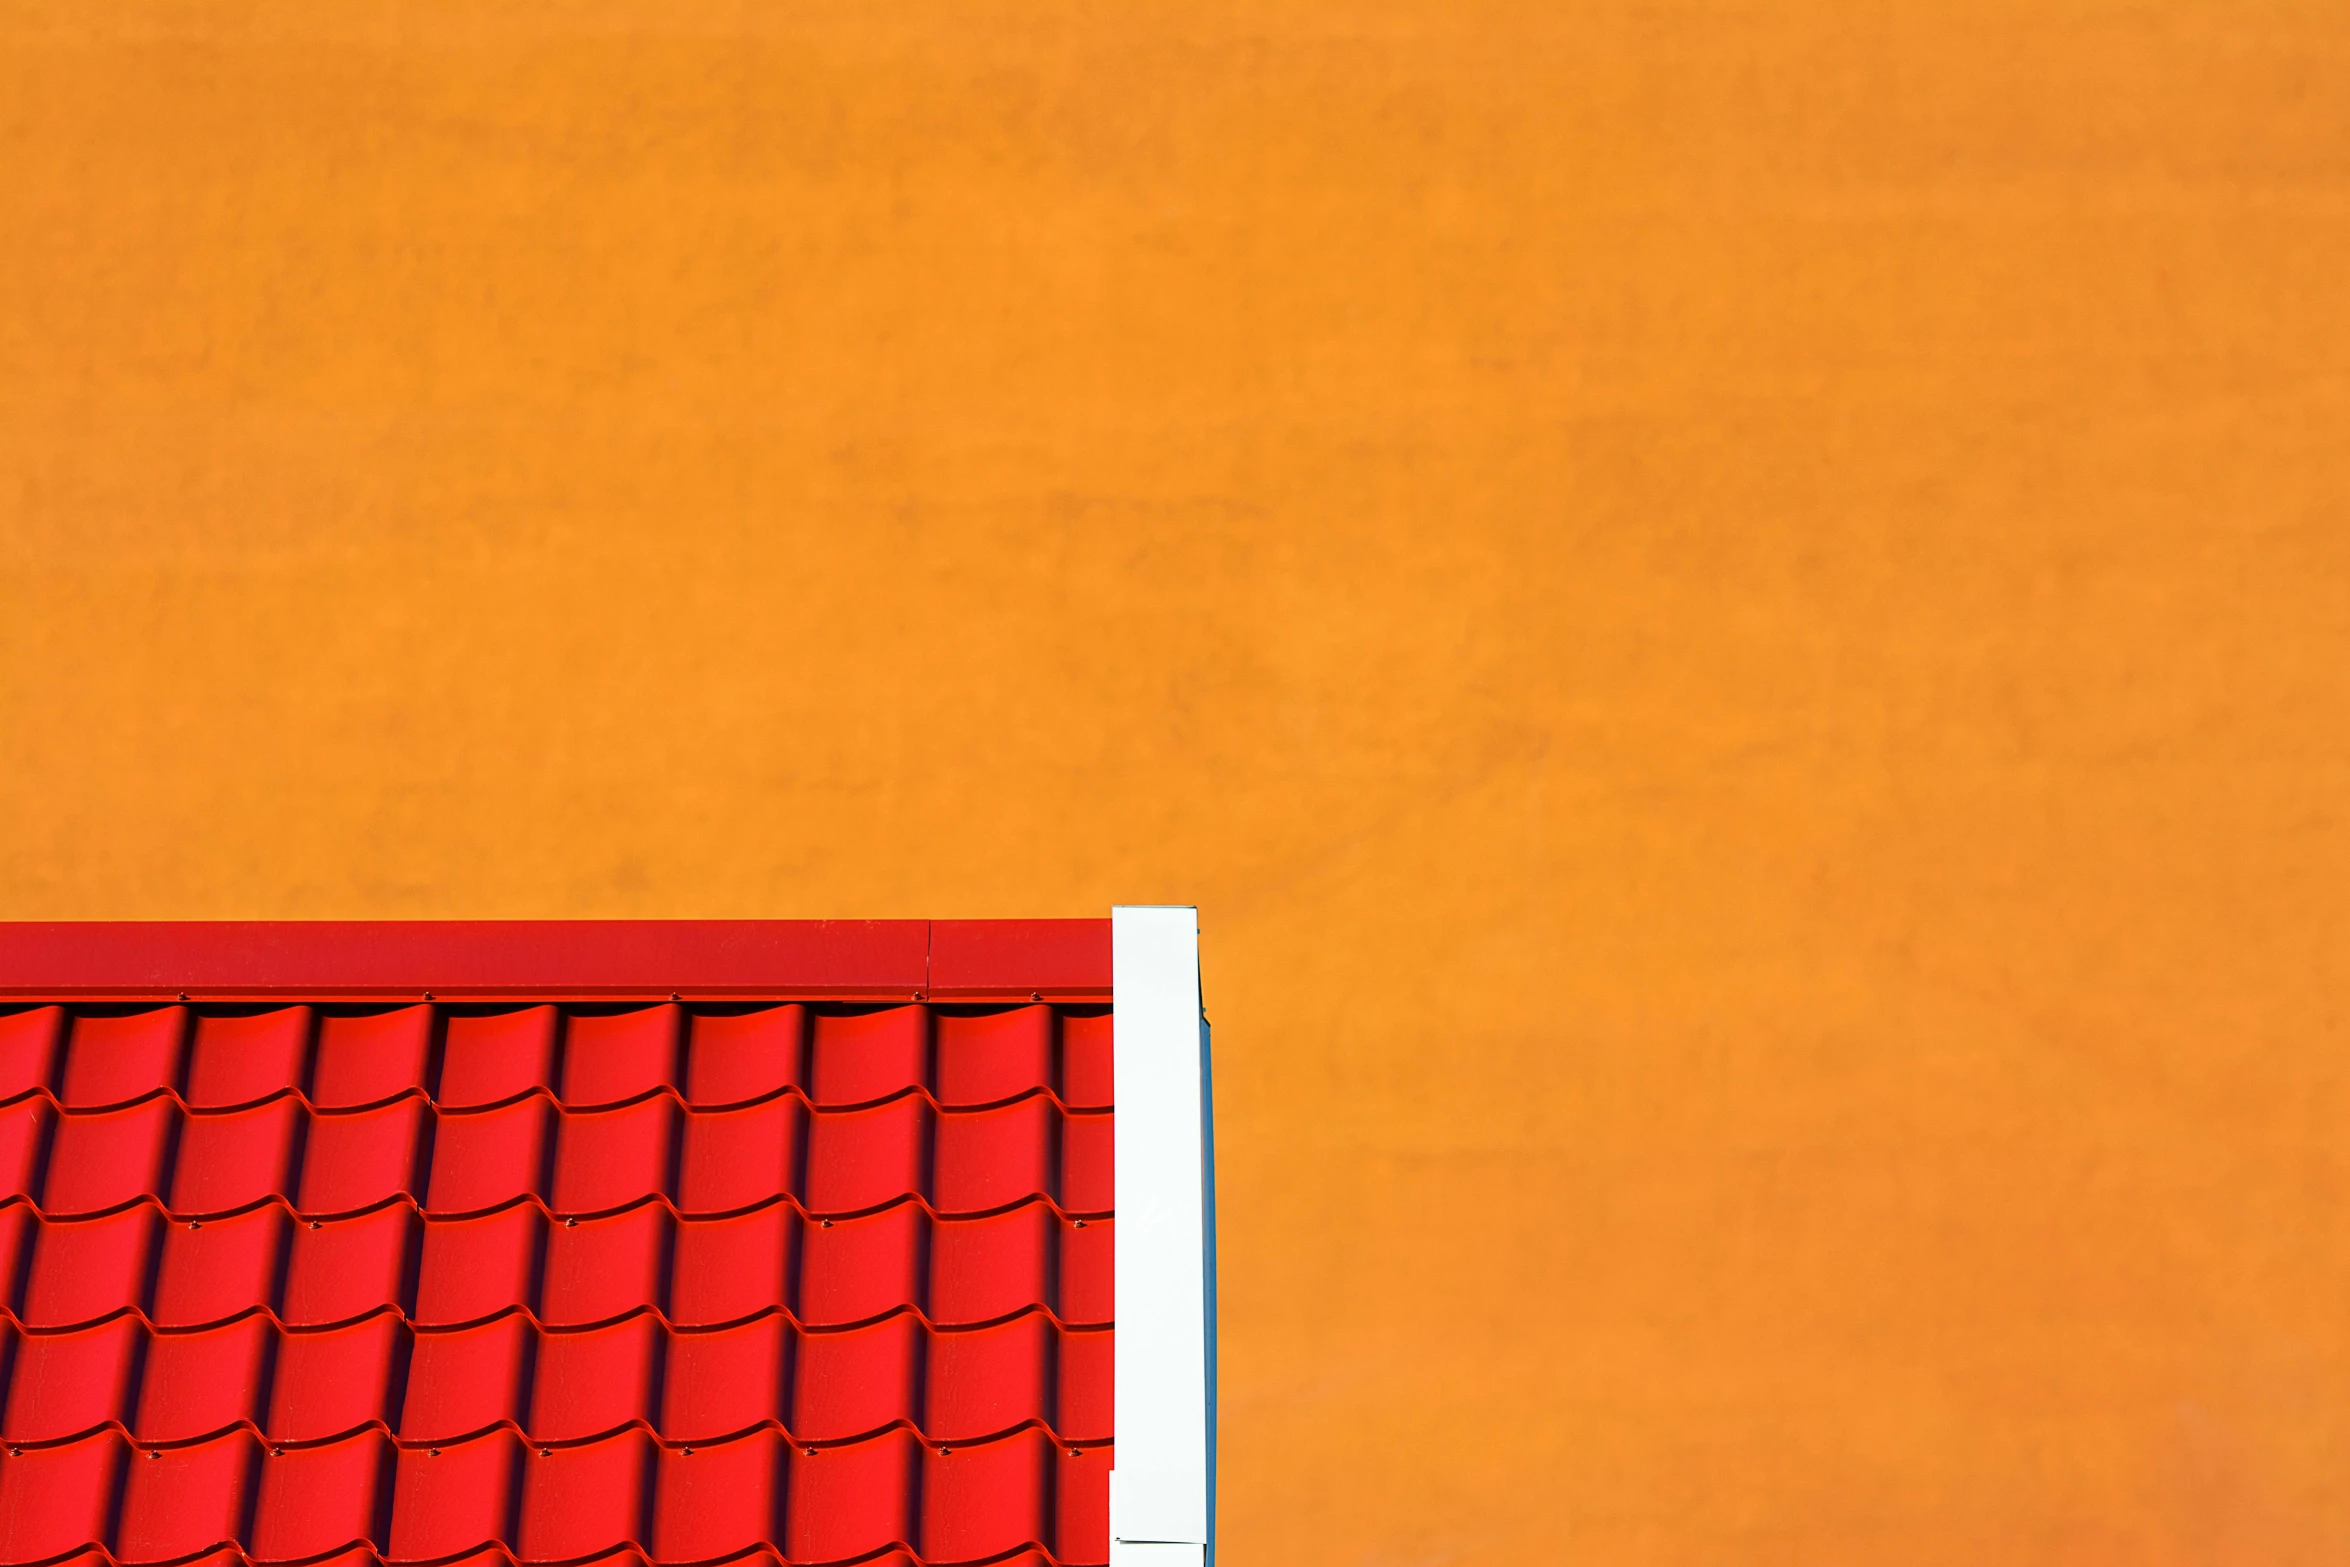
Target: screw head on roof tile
(688, 1453)
(1080, 1223)
(315, 1224)
(1036, 995)
(16, 1452)
(826, 1223)
(571, 1224)
(277, 1452)
(946, 1452)
(546, 1452)
(811, 1452)
(151, 1453)
(432, 1452)
(183, 995)
(195, 1224)
(673, 997)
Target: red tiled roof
(810, 1279)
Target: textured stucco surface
(1738, 615)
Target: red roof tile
(558, 1280)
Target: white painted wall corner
(1162, 1488)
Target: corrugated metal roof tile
(553, 1281)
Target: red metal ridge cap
(483, 959)
(1020, 958)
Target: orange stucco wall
(1738, 615)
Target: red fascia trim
(487, 959)
(1019, 958)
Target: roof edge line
(482, 959)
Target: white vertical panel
(1160, 1489)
